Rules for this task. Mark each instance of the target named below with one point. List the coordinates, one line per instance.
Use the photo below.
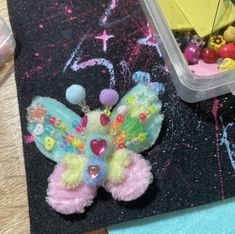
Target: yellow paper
(201, 14)
(174, 16)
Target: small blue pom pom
(75, 94)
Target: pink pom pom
(67, 201)
(109, 97)
(138, 178)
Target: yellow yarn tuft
(73, 174)
(117, 164)
(94, 126)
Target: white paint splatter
(230, 147)
(77, 51)
(96, 62)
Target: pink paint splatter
(104, 37)
(215, 108)
(29, 139)
(134, 55)
(41, 26)
(96, 62)
(68, 10)
(36, 69)
(164, 169)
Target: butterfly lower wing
(68, 200)
(137, 119)
(134, 179)
(52, 126)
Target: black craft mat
(190, 166)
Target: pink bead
(120, 118)
(228, 51)
(52, 120)
(192, 53)
(79, 129)
(104, 120)
(143, 117)
(84, 121)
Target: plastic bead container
(190, 87)
(7, 41)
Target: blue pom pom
(141, 77)
(75, 94)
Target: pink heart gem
(104, 119)
(98, 147)
(93, 171)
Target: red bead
(121, 146)
(120, 118)
(79, 128)
(143, 116)
(52, 120)
(209, 55)
(228, 51)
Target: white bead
(38, 129)
(122, 110)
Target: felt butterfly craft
(100, 149)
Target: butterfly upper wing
(137, 119)
(53, 127)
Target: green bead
(133, 126)
(142, 136)
(131, 99)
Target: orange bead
(115, 125)
(70, 138)
(120, 139)
(81, 146)
(124, 134)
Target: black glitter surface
(192, 161)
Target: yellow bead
(131, 99)
(49, 143)
(107, 111)
(227, 65)
(216, 42)
(62, 128)
(142, 136)
(58, 123)
(75, 142)
(152, 109)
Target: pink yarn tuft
(68, 201)
(138, 178)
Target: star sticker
(104, 37)
(36, 113)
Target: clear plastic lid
(7, 41)
(190, 86)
